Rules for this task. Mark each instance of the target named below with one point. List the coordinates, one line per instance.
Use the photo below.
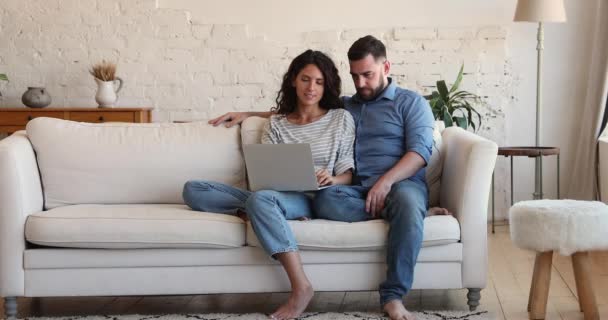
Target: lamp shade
(540, 11)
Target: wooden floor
(506, 295)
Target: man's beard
(374, 92)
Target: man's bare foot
(295, 305)
(396, 311)
(437, 211)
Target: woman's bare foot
(396, 311)
(295, 305)
(437, 211)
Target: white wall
(192, 59)
(566, 65)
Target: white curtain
(583, 177)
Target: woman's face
(309, 84)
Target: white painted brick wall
(492, 32)
(415, 33)
(189, 70)
(455, 33)
(322, 37)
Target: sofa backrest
(251, 130)
(115, 163)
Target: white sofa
(96, 209)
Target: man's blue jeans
(268, 210)
(405, 209)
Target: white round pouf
(566, 226)
(569, 227)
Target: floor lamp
(539, 11)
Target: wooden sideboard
(15, 119)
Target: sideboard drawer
(17, 118)
(114, 116)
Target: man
(393, 144)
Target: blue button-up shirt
(396, 122)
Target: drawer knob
(101, 118)
(29, 117)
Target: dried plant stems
(104, 71)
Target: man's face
(369, 76)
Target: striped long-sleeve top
(331, 138)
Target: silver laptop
(280, 167)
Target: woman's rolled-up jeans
(267, 210)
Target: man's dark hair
(367, 45)
(287, 98)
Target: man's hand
(231, 119)
(374, 203)
(324, 178)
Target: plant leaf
(463, 95)
(470, 118)
(477, 113)
(461, 122)
(443, 90)
(447, 119)
(435, 108)
(3, 77)
(458, 79)
(478, 117)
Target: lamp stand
(538, 164)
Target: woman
(308, 110)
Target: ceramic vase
(107, 92)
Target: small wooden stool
(569, 227)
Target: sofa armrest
(20, 196)
(468, 164)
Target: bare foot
(295, 305)
(396, 311)
(437, 211)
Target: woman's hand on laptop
(324, 178)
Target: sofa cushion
(118, 163)
(134, 226)
(322, 234)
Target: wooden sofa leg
(473, 297)
(10, 308)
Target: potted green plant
(455, 106)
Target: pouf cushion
(567, 226)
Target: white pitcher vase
(107, 92)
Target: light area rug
(423, 315)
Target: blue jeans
(405, 209)
(268, 210)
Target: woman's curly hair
(287, 99)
